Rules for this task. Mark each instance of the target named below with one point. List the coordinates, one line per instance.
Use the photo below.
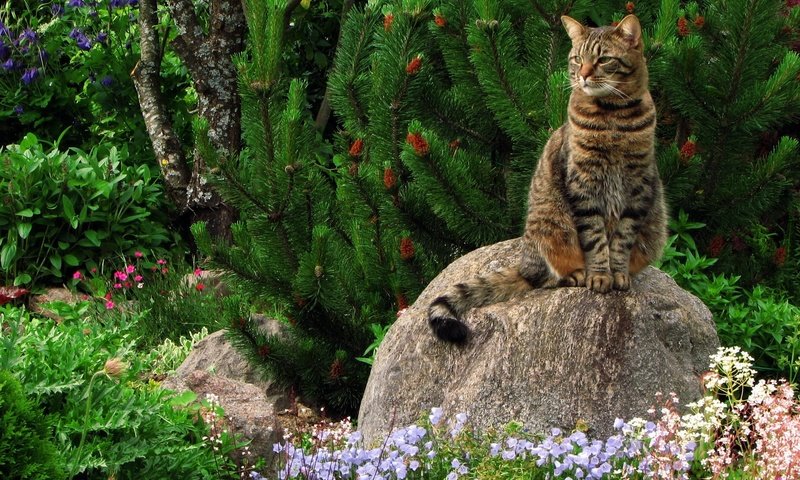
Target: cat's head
(607, 61)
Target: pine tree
(443, 108)
(729, 92)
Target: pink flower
(109, 305)
(137, 278)
(138, 254)
(198, 272)
(130, 268)
(117, 286)
(161, 261)
(77, 275)
(121, 276)
(200, 287)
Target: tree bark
(208, 57)
(146, 78)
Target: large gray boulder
(552, 358)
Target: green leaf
(55, 260)
(22, 279)
(7, 255)
(27, 213)
(71, 260)
(69, 211)
(24, 229)
(91, 235)
(183, 399)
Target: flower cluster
(135, 274)
(758, 437)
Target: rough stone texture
(251, 403)
(215, 355)
(54, 294)
(248, 411)
(548, 359)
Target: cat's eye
(606, 60)
(577, 59)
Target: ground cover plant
(99, 410)
(739, 429)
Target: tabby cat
(596, 212)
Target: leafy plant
(761, 320)
(170, 298)
(379, 331)
(119, 426)
(27, 451)
(62, 209)
(68, 64)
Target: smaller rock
(248, 411)
(56, 294)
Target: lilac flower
(10, 64)
(118, 3)
(76, 3)
(102, 37)
(5, 52)
(29, 35)
(18, 110)
(80, 38)
(107, 81)
(56, 10)
(5, 31)
(30, 75)
(43, 56)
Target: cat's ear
(631, 31)
(575, 30)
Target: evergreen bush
(443, 108)
(27, 451)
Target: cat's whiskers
(615, 91)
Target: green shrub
(108, 421)
(62, 209)
(760, 320)
(26, 448)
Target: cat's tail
(446, 311)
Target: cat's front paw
(622, 281)
(574, 279)
(600, 282)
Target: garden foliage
(85, 378)
(27, 450)
(65, 69)
(443, 108)
(62, 209)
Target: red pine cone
(406, 248)
(439, 20)
(353, 169)
(699, 21)
(402, 301)
(387, 21)
(389, 178)
(263, 351)
(629, 7)
(421, 147)
(414, 66)
(688, 150)
(683, 27)
(779, 258)
(356, 148)
(337, 369)
(455, 144)
(716, 246)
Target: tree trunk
(208, 57)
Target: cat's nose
(586, 70)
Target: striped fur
(596, 212)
